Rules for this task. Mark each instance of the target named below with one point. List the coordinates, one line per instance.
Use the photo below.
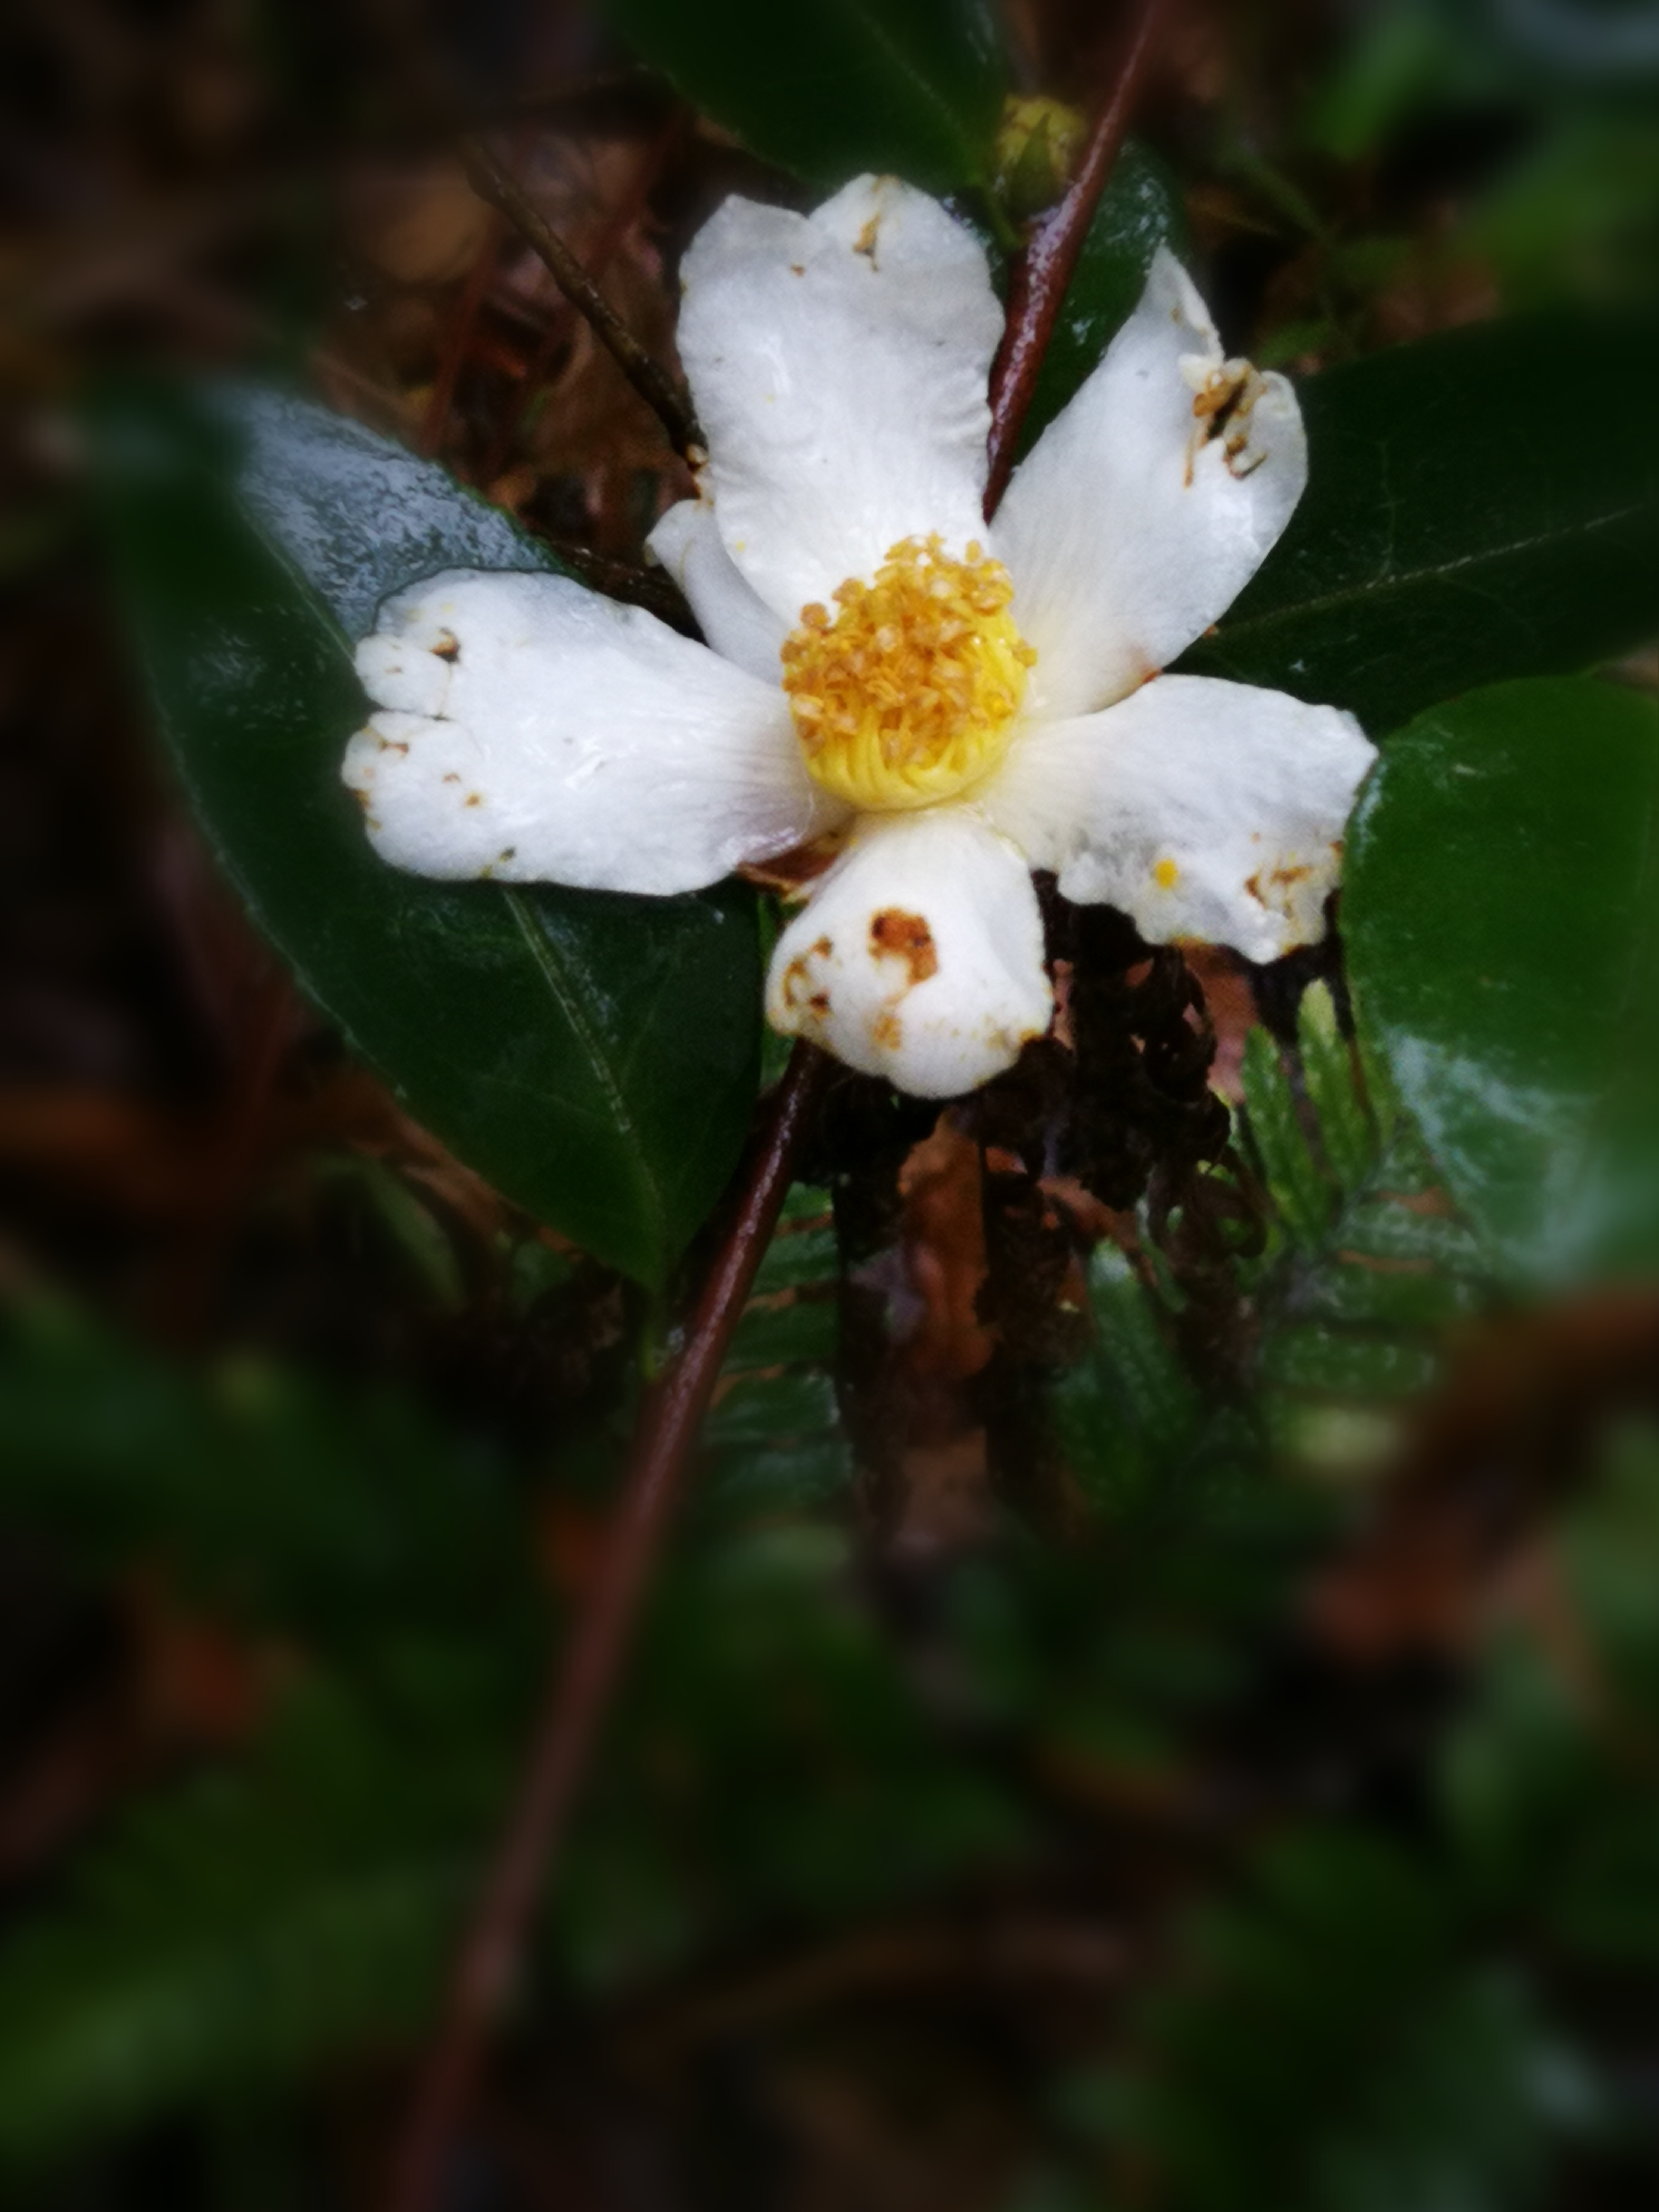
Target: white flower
(946, 706)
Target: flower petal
(734, 618)
(839, 363)
(1148, 503)
(918, 956)
(538, 732)
(1202, 809)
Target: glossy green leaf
(1139, 210)
(595, 1056)
(830, 88)
(1480, 505)
(1501, 907)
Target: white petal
(1128, 530)
(734, 618)
(919, 954)
(538, 732)
(1202, 809)
(839, 364)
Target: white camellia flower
(939, 706)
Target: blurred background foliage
(1233, 1789)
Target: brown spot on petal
(906, 937)
(885, 1031)
(1280, 878)
(475, 799)
(447, 646)
(452, 777)
(797, 986)
(866, 243)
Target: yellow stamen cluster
(908, 694)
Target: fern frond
(1365, 1267)
(773, 1442)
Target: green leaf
(1127, 1414)
(1310, 1357)
(1500, 912)
(1293, 1175)
(1139, 210)
(830, 89)
(1384, 1230)
(1327, 1071)
(1479, 505)
(595, 1056)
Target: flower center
(909, 694)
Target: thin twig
(588, 1667)
(1044, 269)
(491, 182)
(617, 225)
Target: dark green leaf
(595, 1056)
(1499, 913)
(832, 87)
(1139, 211)
(1479, 505)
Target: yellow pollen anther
(909, 694)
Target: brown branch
(1044, 269)
(491, 182)
(588, 1668)
(620, 221)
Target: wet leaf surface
(594, 1056)
(1500, 916)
